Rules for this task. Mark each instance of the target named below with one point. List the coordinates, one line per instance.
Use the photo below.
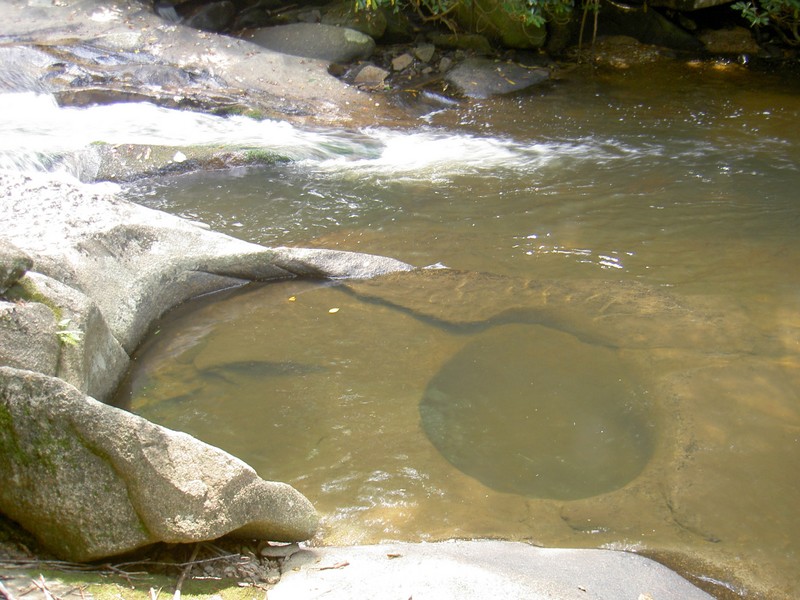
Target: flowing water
(611, 357)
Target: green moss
(25, 290)
(259, 156)
(10, 449)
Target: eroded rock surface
(95, 52)
(86, 479)
(89, 480)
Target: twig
(5, 592)
(153, 563)
(185, 572)
(339, 565)
(42, 585)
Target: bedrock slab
(477, 569)
(88, 480)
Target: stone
(92, 361)
(13, 264)
(371, 76)
(315, 40)
(214, 16)
(135, 263)
(401, 62)
(424, 52)
(309, 16)
(28, 338)
(369, 22)
(76, 50)
(482, 77)
(647, 26)
(90, 481)
(471, 42)
(460, 569)
(735, 40)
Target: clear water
(613, 361)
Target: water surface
(621, 324)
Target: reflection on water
(642, 310)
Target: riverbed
(603, 351)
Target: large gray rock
(91, 358)
(315, 40)
(79, 44)
(89, 480)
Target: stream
(604, 351)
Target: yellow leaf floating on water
(333, 310)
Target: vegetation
(67, 336)
(781, 16)
(529, 12)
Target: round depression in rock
(530, 410)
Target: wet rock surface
(100, 53)
(481, 78)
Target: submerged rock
(611, 314)
(483, 77)
(90, 481)
(315, 40)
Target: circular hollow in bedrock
(530, 410)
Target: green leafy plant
(783, 16)
(530, 12)
(539, 12)
(68, 337)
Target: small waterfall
(36, 134)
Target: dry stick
(42, 585)
(185, 572)
(5, 592)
